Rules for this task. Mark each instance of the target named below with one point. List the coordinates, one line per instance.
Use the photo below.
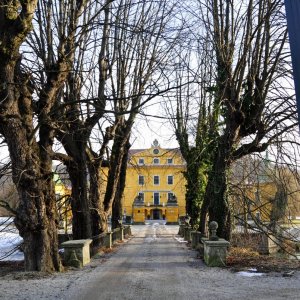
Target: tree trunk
(81, 222)
(117, 209)
(118, 151)
(216, 191)
(99, 218)
(36, 217)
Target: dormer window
(156, 161)
(141, 161)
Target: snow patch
(252, 272)
(9, 240)
(180, 239)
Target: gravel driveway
(154, 264)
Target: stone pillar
(77, 250)
(107, 240)
(129, 230)
(268, 244)
(215, 249)
(215, 252)
(181, 230)
(187, 233)
(121, 234)
(196, 239)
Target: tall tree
(249, 39)
(196, 122)
(36, 216)
(65, 31)
(138, 56)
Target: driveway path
(155, 264)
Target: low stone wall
(78, 252)
(268, 244)
(102, 240)
(117, 235)
(127, 231)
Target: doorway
(156, 214)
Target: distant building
(62, 195)
(155, 184)
(261, 192)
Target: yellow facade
(62, 194)
(260, 201)
(155, 185)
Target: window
(156, 198)
(170, 179)
(156, 180)
(169, 161)
(156, 161)
(155, 151)
(142, 196)
(141, 161)
(141, 180)
(170, 196)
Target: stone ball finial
(213, 226)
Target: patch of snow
(180, 239)
(249, 273)
(9, 240)
(252, 270)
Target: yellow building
(62, 194)
(155, 185)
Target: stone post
(196, 239)
(187, 233)
(77, 250)
(121, 233)
(215, 249)
(181, 230)
(107, 240)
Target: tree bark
(81, 221)
(117, 209)
(99, 219)
(36, 216)
(216, 195)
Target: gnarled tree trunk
(36, 217)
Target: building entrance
(156, 214)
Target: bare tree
(69, 33)
(139, 53)
(36, 216)
(249, 40)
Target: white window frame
(170, 194)
(154, 180)
(143, 195)
(156, 159)
(154, 198)
(168, 162)
(141, 176)
(172, 179)
(141, 161)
